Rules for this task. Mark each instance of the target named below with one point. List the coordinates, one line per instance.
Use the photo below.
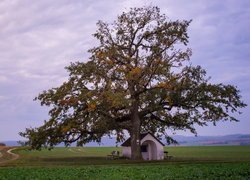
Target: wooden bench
(169, 157)
(166, 156)
(113, 155)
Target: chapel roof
(128, 141)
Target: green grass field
(98, 155)
(218, 162)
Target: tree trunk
(135, 133)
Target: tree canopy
(139, 78)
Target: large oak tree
(139, 78)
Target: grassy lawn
(98, 155)
(69, 152)
(210, 153)
(218, 162)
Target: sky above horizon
(40, 38)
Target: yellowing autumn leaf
(91, 106)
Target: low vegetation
(174, 171)
(221, 162)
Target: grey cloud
(40, 38)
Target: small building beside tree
(151, 147)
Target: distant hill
(10, 143)
(234, 139)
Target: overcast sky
(39, 38)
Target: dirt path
(6, 155)
(14, 156)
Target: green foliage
(138, 79)
(190, 171)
